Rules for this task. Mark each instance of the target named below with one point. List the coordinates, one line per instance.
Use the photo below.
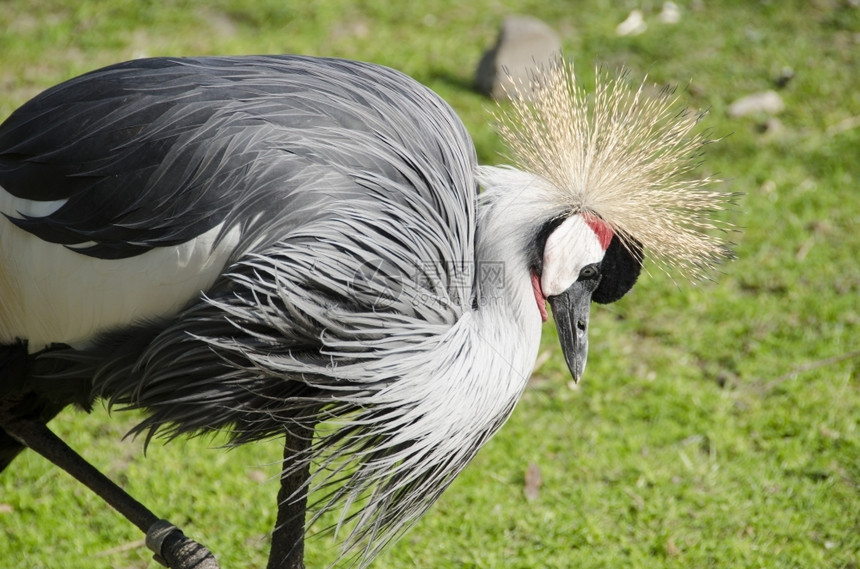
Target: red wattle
(539, 297)
(601, 229)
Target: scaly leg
(171, 547)
(288, 539)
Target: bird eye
(589, 272)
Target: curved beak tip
(576, 365)
(570, 312)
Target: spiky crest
(624, 155)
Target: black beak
(570, 310)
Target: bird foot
(172, 549)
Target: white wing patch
(20, 207)
(49, 293)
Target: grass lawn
(717, 424)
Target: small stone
(670, 14)
(524, 45)
(696, 89)
(772, 127)
(633, 25)
(786, 74)
(258, 476)
(768, 102)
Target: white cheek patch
(570, 247)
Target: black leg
(32, 407)
(288, 539)
(171, 547)
(9, 449)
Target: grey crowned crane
(261, 244)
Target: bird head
(612, 176)
(582, 261)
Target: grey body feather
(348, 296)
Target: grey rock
(524, 44)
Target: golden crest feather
(623, 154)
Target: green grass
(717, 425)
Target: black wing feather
(154, 152)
